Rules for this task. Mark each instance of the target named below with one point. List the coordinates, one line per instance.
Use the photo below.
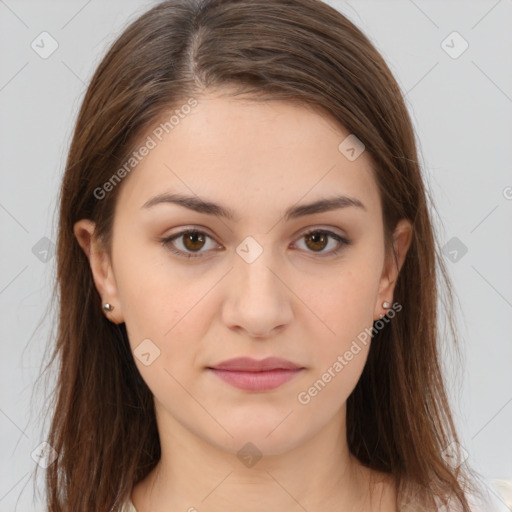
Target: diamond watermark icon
(44, 45)
(454, 454)
(44, 249)
(44, 455)
(454, 250)
(249, 455)
(454, 45)
(351, 147)
(249, 250)
(146, 352)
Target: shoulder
(485, 500)
(489, 502)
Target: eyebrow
(210, 208)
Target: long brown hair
(103, 421)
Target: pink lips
(256, 375)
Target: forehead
(240, 151)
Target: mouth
(256, 375)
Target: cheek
(344, 308)
(343, 304)
(340, 347)
(153, 292)
(158, 303)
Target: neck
(318, 475)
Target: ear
(101, 267)
(402, 237)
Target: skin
(295, 301)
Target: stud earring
(385, 305)
(108, 307)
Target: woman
(247, 276)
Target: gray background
(461, 108)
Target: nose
(258, 299)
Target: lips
(256, 375)
(246, 364)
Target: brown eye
(317, 240)
(193, 241)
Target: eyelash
(165, 241)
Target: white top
(493, 502)
(128, 507)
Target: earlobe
(101, 268)
(402, 238)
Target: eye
(318, 239)
(194, 240)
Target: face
(271, 279)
